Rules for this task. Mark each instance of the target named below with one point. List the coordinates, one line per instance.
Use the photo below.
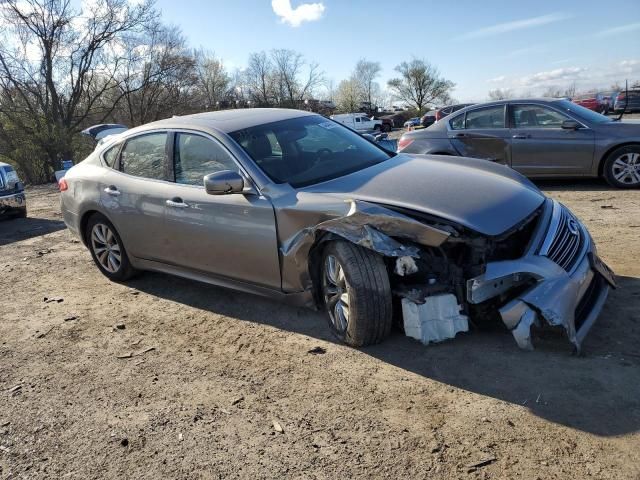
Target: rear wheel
(356, 293)
(22, 213)
(107, 249)
(622, 167)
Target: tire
(363, 287)
(386, 127)
(620, 159)
(22, 213)
(377, 128)
(96, 232)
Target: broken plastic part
(522, 333)
(437, 319)
(365, 224)
(405, 266)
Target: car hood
(477, 194)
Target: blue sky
(479, 45)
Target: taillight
(404, 142)
(621, 96)
(62, 184)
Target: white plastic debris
(437, 319)
(405, 266)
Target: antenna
(626, 100)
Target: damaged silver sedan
(294, 206)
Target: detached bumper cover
(13, 202)
(569, 283)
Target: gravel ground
(169, 378)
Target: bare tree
(212, 79)
(58, 64)
(348, 95)
(365, 74)
(419, 84)
(159, 76)
(500, 94)
(292, 83)
(259, 77)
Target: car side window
(196, 156)
(111, 156)
(457, 123)
(145, 156)
(485, 118)
(358, 119)
(536, 116)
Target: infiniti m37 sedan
(292, 205)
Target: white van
(358, 121)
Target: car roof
(226, 120)
(2, 164)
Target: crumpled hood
(477, 194)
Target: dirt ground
(220, 384)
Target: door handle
(460, 135)
(521, 136)
(112, 190)
(177, 203)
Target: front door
(481, 133)
(231, 236)
(540, 146)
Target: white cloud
(306, 12)
(507, 27)
(557, 75)
(618, 30)
(499, 79)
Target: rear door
(481, 133)
(231, 236)
(133, 190)
(540, 146)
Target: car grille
(565, 239)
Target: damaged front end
(544, 270)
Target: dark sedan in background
(628, 101)
(12, 199)
(538, 138)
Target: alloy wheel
(626, 168)
(106, 247)
(336, 295)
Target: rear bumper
(12, 203)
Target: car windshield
(582, 112)
(307, 150)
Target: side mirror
(570, 125)
(223, 183)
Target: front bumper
(571, 298)
(12, 203)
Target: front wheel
(107, 249)
(356, 293)
(622, 167)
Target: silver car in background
(291, 205)
(13, 202)
(538, 138)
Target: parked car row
(538, 138)
(292, 205)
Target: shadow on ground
(597, 393)
(18, 229)
(563, 185)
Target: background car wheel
(622, 167)
(22, 213)
(107, 249)
(356, 294)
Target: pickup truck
(358, 121)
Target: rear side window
(485, 118)
(196, 156)
(111, 156)
(145, 156)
